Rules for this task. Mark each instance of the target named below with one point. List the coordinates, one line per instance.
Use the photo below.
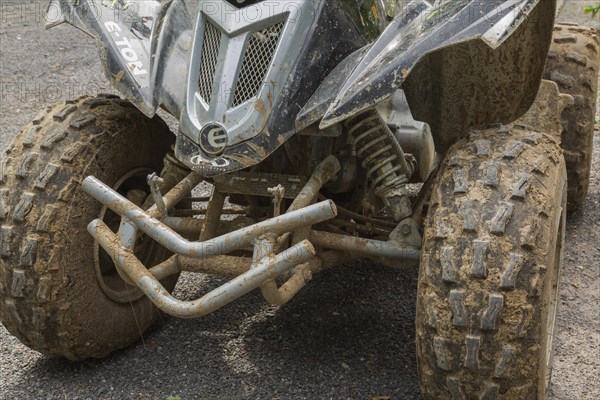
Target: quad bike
(301, 126)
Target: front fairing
(146, 45)
(152, 52)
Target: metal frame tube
(302, 275)
(266, 269)
(186, 225)
(326, 170)
(231, 266)
(207, 255)
(177, 193)
(373, 248)
(221, 245)
(127, 230)
(278, 296)
(213, 215)
(165, 269)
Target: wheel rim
(552, 294)
(107, 276)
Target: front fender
(143, 45)
(463, 64)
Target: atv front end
(303, 126)
(284, 245)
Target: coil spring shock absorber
(384, 161)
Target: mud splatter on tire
(490, 267)
(49, 295)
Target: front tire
(58, 294)
(492, 252)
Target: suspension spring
(381, 155)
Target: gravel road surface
(349, 335)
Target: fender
(462, 64)
(144, 45)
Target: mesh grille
(208, 61)
(257, 60)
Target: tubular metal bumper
(373, 248)
(263, 269)
(266, 268)
(222, 245)
(298, 262)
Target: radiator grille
(257, 60)
(208, 61)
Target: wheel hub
(133, 186)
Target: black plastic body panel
(462, 64)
